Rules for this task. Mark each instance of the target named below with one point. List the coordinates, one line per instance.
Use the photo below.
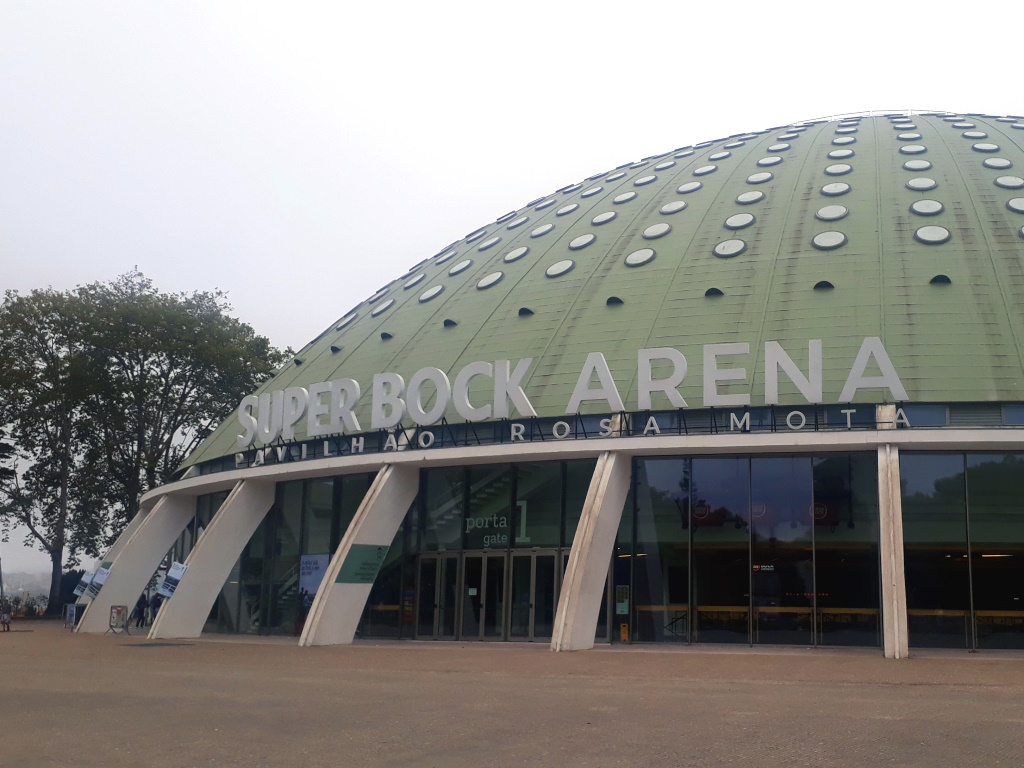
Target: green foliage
(103, 391)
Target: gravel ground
(106, 700)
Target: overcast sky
(299, 156)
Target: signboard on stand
(98, 580)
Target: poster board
(98, 580)
(311, 574)
(83, 584)
(171, 580)
(118, 619)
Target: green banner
(362, 564)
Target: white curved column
(137, 559)
(115, 548)
(583, 588)
(211, 560)
(342, 596)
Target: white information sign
(174, 574)
(98, 580)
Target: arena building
(765, 389)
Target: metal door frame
(532, 554)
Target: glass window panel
(926, 415)
(720, 520)
(995, 492)
(622, 600)
(319, 516)
(349, 492)
(846, 548)
(661, 571)
(490, 507)
(382, 616)
(863, 415)
(538, 507)
(782, 535)
(935, 549)
(578, 475)
(281, 588)
(1013, 415)
(444, 499)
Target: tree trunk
(54, 607)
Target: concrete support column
(211, 560)
(116, 547)
(343, 593)
(583, 588)
(894, 589)
(136, 559)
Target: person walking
(140, 611)
(154, 605)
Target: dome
(903, 229)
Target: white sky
(299, 156)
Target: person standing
(154, 605)
(5, 616)
(140, 611)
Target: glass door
(483, 596)
(533, 595)
(437, 594)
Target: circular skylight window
(415, 281)
(1016, 204)
(734, 144)
(759, 178)
(779, 147)
(719, 155)
(430, 293)
(921, 184)
(729, 248)
(840, 154)
(687, 153)
(489, 280)
(560, 268)
(625, 197)
(828, 241)
(846, 129)
(909, 136)
(926, 207)
(616, 176)
(673, 207)
(640, 257)
(378, 295)
(838, 169)
(665, 165)
(1009, 182)
(835, 189)
(581, 242)
(517, 223)
(476, 235)
(657, 230)
(690, 186)
(914, 149)
(545, 204)
(748, 198)
(832, 212)
(844, 140)
(445, 257)
(383, 307)
(788, 136)
(591, 192)
(570, 189)
(461, 267)
(739, 221)
(917, 165)
(516, 254)
(704, 170)
(603, 218)
(974, 135)
(506, 217)
(985, 146)
(963, 125)
(543, 229)
(998, 163)
(769, 161)
(346, 320)
(644, 180)
(565, 209)
(488, 243)
(932, 235)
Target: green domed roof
(904, 228)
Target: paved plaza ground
(105, 700)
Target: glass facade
(776, 549)
(963, 534)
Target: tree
(42, 396)
(103, 390)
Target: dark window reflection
(935, 549)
